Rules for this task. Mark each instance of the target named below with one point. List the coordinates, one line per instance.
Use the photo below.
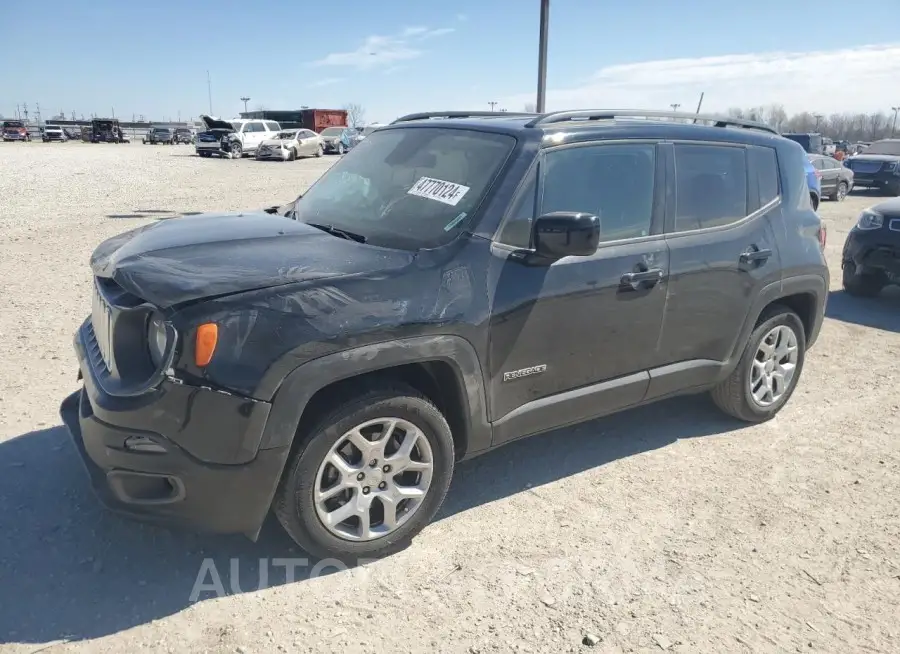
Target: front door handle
(755, 256)
(642, 279)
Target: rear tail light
(823, 235)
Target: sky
(399, 56)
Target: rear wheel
(862, 284)
(840, 192)
(768, 370)
(368, 476)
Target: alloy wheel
(373, 479)
(774, 365)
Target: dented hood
(194, 257)
(212, 122)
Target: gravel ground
(668, 528)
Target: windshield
(183, 130)
(407, 188)
(161, 129)
(890, 146)
(286, 135)
(13, 123)
(333, 131)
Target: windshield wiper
(341, 233)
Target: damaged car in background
(332, 361)
(290, 144)
(232, 139)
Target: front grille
(101, 322)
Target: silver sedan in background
(289, 144)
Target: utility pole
(894, 124)
(245, 100)
(25, 110)
(540, 106)
(674, 106)
(209, 91)
(493, 104)
(818, 118)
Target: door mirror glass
(566, 234)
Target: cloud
(462, 18)
(380, 51)
(858, 79)
(328, 81)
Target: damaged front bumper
(181, 454)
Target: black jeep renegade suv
(456, 282)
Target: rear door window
(710, 186)
(764, 169)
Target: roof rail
(612, 114)
(425, 115)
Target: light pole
(818, 118)
(894, 124)
(540, 107)
(245, 100)
(674, 106)
(493, 104)
(209, 91)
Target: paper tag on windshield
(437, 189)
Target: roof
(605, 123)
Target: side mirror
(566, 234)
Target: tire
(734, 394)
(893, 188)
(204, 154)
(814, 201)
(340, 148)
(318, 152)
(840, 192)
(293, 155)
(237, 151)
(862, 284)
(294, 503)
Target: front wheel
(236, 152)
(340, 148)
(368, 476)
(319, 151)
(768, 370)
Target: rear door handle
(754, 256)
(648, 278)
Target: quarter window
(710, 186)
(765, 165)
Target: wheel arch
(443, 368)
(806, 295)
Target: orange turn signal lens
(205, 345)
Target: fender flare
(303, 381)
(816, 285)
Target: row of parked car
(878, 167)
(265, 139)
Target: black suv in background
(456, 282)
(871, 257)
(878, 167)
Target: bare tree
(843, 127)
(356, 114)
(530, 107)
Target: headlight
(157, 338)
(870, 220)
